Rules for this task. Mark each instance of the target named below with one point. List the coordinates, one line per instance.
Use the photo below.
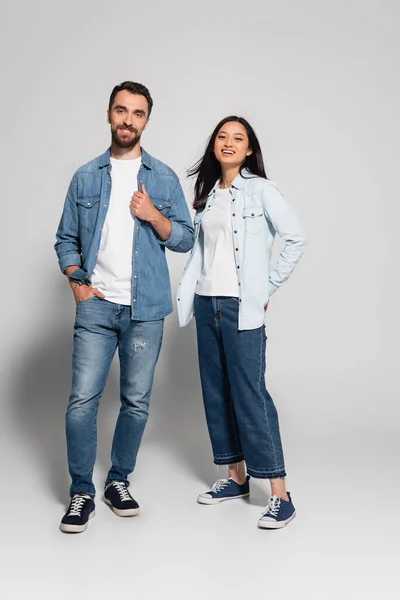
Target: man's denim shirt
(85, 209)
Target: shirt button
(234, 215)
(252, 214)
(178, 298)
(237, 249)
(134, 299)
(135, 276)
(235, 231)
(238, 267)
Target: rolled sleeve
(182, 232)
(69, 259)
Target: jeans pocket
(81, 302)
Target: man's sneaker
(116, 495)
(225, 489)
(80, 510)
(277, 513)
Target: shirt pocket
(162, 205)
(88, 209)
(254, 220)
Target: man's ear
(108, 117)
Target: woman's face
(231, 146)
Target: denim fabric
(258, 213)
(241, 416)
(100, 328)
(85, 209)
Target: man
(122, 210)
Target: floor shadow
(40, 389)
(177, 413)
(41, 385)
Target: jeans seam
(260, 379)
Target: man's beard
(129, 143)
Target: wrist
(155, 217)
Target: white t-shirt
(112, 274)
(218, 276)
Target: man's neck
(125, 153)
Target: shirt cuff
(271, 289)
(175, 237)
(70, 259)
(80, 276)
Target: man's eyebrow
(136, 110)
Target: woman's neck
(227, 176)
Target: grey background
(319, 82)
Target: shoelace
(76, 506)
(273, 506)
(122, 491)
(220, 485)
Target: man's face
(128, 118)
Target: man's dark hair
(134, 88)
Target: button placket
(235, 231)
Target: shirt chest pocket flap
(162, 205)
(253, 217)
(88, 208)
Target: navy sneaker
(116, 495)
(80, 510)
(277, 514)
(225, 489)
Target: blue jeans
(241, 416)
(100, 328)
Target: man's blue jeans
(241, 416)
(100, 328)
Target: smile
(228, 152)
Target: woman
(227, 284)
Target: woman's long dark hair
(208, 169)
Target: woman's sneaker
(277, 513)
(225, 489)
(80, 510)
(116, 495)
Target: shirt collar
(104, 159)
(237, 183)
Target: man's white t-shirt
(218, 276)
(112, 274)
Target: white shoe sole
(267, 524)
(130, 512)
(65, 528)
(203, 499)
